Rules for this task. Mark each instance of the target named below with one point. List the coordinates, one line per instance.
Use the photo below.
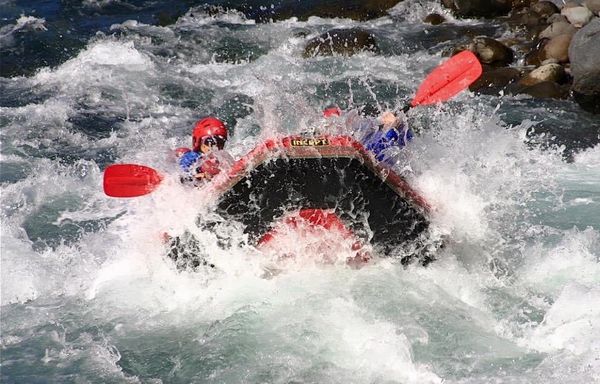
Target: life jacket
(379, 141)
(192, 162)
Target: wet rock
(545, 9)
(521, 4)
(578, 16)
(344, 42)
(549, 72)
(491, 51)
(557, 49)
(526, 18)
(584, 54)
(282, 10)
(557, 17)
(558, 28)
(493, 80)
(593, 5)
(534, 56)
(434, 19)
(479, 8)
(545, 90)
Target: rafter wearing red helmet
(202, 162)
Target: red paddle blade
(448, 79)
(130, 180)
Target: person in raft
(377, 134)
(206, 158)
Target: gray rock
(578, 16)
(584, 54)
(593, 5)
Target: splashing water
(88, 294)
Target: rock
(584, 54)
(556, 18)
(545, 8)
(558, 28)
(520, 4)
(557, 48)
(549, 72)
(593, 5)
(434, 19)
(449, 4)
(534, 56)
(578, 16)
(265, 11)
(493, 80)
(545, 90)
(344, 42)
(527, 18)
(491, 51)
(479, 8)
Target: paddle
(130, 180)
(448, 79)
(445, 81)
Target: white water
(514, 296)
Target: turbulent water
(88, 295)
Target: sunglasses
(212, 141)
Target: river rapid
(88, 295)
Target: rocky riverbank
(552, 48)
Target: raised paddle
(130, 180)
(445, 81)
(448, 79)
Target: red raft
(328, 181)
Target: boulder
(449, 4)
(344, 42)
(556, 18)
(479, 8)
(434, 19)
(584, 54)
(549, 72)
(557, 49)
(491, 51)
(521, 4)
(578, 16)
(265, 11)
(545, 90)
(593, 5)
(493, 80)
(558, 28)
(525, 18)
(534, 56)
(545, 9)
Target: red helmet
(209, 126)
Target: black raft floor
(364, 202)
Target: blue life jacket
(378, 141)
(187, 160)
